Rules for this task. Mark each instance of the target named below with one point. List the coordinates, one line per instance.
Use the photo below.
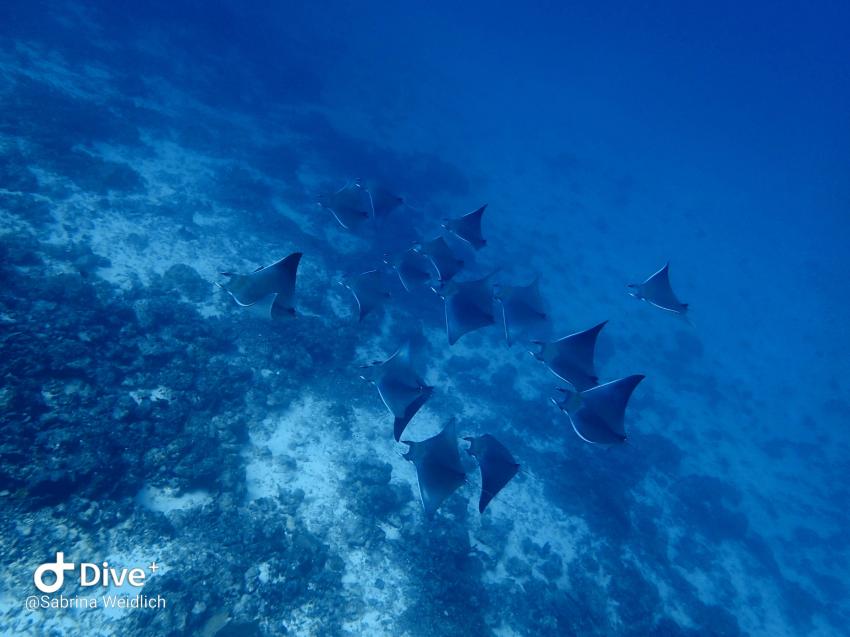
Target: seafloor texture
(147, 417)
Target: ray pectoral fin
(401, 422)
(438, 468)
(400, 387)
(523, 312)
(601, 416)
(436, 483)
(278, 278)
(459, 325)
(468, 228)
(350, 206)
(279, 310)
(368, 290)
(658, 291)
(468, 308)
(497, 466)
(262, 308)
(399, 425)
(484, 500)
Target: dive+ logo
(90, 574)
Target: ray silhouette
(468, 306)
(414, 269)
(383, 201)
(444, 261)
(438, 467)
(400, 385)
(598, 414)
(523, 312)
(571, 358)
(369, 291)
(496, 463)
(468, 227)
(656, 290)
(351, 205)
(271, 288)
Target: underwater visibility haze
(424, 319)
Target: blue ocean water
(245, 465)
